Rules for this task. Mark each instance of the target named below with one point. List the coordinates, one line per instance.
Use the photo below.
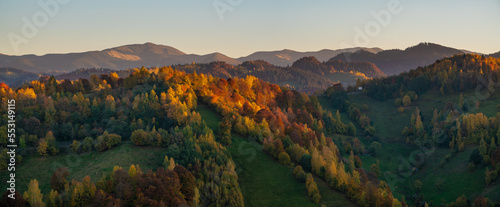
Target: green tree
(88, 144)
(375, 168)
(483, 148)
(406, 100)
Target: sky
(240, 27)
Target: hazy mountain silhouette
(149, 55)
(288, 57)
(14, 77)
(495, 55)
(396, 61)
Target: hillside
(160, 108)
(14, 77)
(393, 62)
(446, 113)
(456, 74)
(367, 68)
(495, 55)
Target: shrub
(88, 143)
(76, 146)
(299, 173)
(284, 158)
(398, 102)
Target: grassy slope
(94, 164)
(389, 124)
(343, 77)
(264, 181)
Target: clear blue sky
(194, 26)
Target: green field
(94, 164)
(342, 77)
(263, 180)
(389, 123)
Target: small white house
(360, 88)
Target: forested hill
(305, 75)
(13, 76)
(495, 55)
(455, 74)
(158, 108)
(393, 62)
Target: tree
(33, 195)
(76, 146)
(406, 100)
(52, 147)
(284, 158)
(42, 148)
(461, 202)
(476, 157)
(139, 137)
(299, 173)
(483, 148)
(398, 102)
(312, 188)
(132, 171)
(168, 164)
(53, 199)
(88, 144)
(375, 169)
(58, 180)
(461, 102)
(490, 176)
(18, 200)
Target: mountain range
(390, 62)
(150, 55)
(395, 61)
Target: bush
(401, 109)
(476, 157)
(240, 129)
(299, 173)
(88, 143)
(284, 158)
(139, 137)
(107, 141)
(76, 146)
(398, 102)
(375, 148)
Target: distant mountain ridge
(149, 55)
(395, 61)
(390, 62)
(288, 57)
(495, 55)
(13, 76)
